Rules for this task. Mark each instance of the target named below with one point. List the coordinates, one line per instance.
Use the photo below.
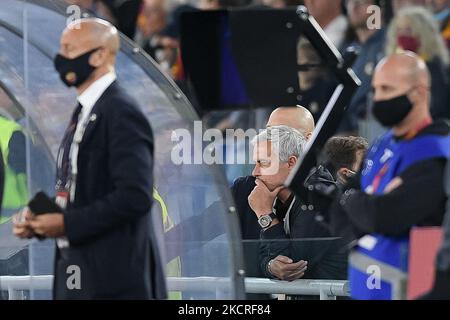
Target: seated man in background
(342, 157)
(282, 216)
(298, 118)
(341, 160)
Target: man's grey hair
(285, 140)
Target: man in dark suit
(298, 118)
(104, 180)
(291, 248)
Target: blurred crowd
(421, 26)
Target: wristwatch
(266, 220)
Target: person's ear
(413, 94)
(292, 162)
(343, 174)
(417, 94)
(98, 58)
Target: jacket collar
(97, 112)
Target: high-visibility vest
(174, 266)
(15, 191)
(4, 219)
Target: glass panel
(316, 81)
(326, 259)
(182, 193)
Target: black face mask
(390, 113)
(74, 72)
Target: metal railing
(326, 289)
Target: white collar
(91, 95)
(287, 227)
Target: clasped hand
(27, 225)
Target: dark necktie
(64, 166)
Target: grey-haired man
(285, 224)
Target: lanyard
(65, 188)
(425, 123)
(67, 159)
